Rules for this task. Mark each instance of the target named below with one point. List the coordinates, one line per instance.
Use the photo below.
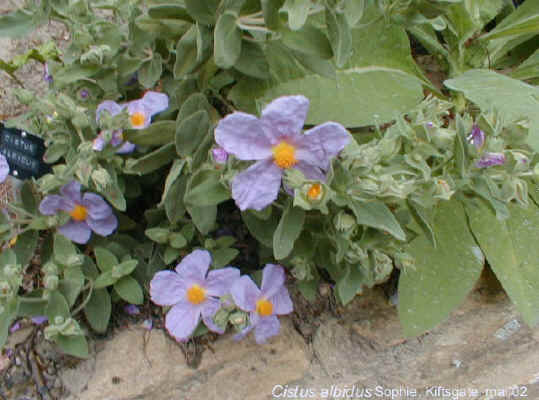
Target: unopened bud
(50, 282)
(344, 222)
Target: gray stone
(137, 364)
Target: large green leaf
(512, 98)
(298, 11)
(6, 318)
(261, 229)
(442, 276)
(227, 40)
(98, 310)
(74, 345)
(158, 133)
(26, 246)
(129, 290)
(497, 48)
(17, 23)
(379, 81)
(529, 68)
(512, 252)
(377, 215)
(152, 161)
(203, 217)
(205, 189)
(528, 24)
(288, 230)
(57, 306)
(349, 284)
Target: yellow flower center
(264, 307)
(196, 294)
(79, 213)
(284, 155)
(13, 241)
(138, 119)
(315, 192)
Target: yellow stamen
(196, 294)
(79, 213)
(264, 307)
(138, 119)
(315, 192)
(284, 155)
(13, 241)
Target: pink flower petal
(273, 277)
(322, 143)
(266, 328)
(242, 135)
(76, 231)
(245, 293)
(182, 320)
(71, 191)
(284, 116)
(167, 288)
(194, 266)
(219, 281)
(257, 186)
(282, 303)
(104, 226)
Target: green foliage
(442, 276)
(391, 199)
(511, 98)
(511, 251)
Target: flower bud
(302, 268)
(220, 155)
(294, 178)
(344, 222)
(50, 268)
(443, 190)
(71, 328)
(12, 270)
(382, 267)
(221, 318)
(50, 282)
(102, 178)
(239, 319)
(368, 186)
(74, 260)
(404, 260)
(355, 254)
(5, 290)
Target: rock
(484, 349)
(141, 364)
(483, 346)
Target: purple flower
(219, 155)
(275, 141)
(476, 137)
(88, 212)
(192, 292)
(141, 111)
(117, 140)
(140, 116)
(84, 93)
(46, 76)
(40, 319)
(490, 159)
(15, 327)
(131, 309)
(4, 168)
(263, 304)
(147, 324)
